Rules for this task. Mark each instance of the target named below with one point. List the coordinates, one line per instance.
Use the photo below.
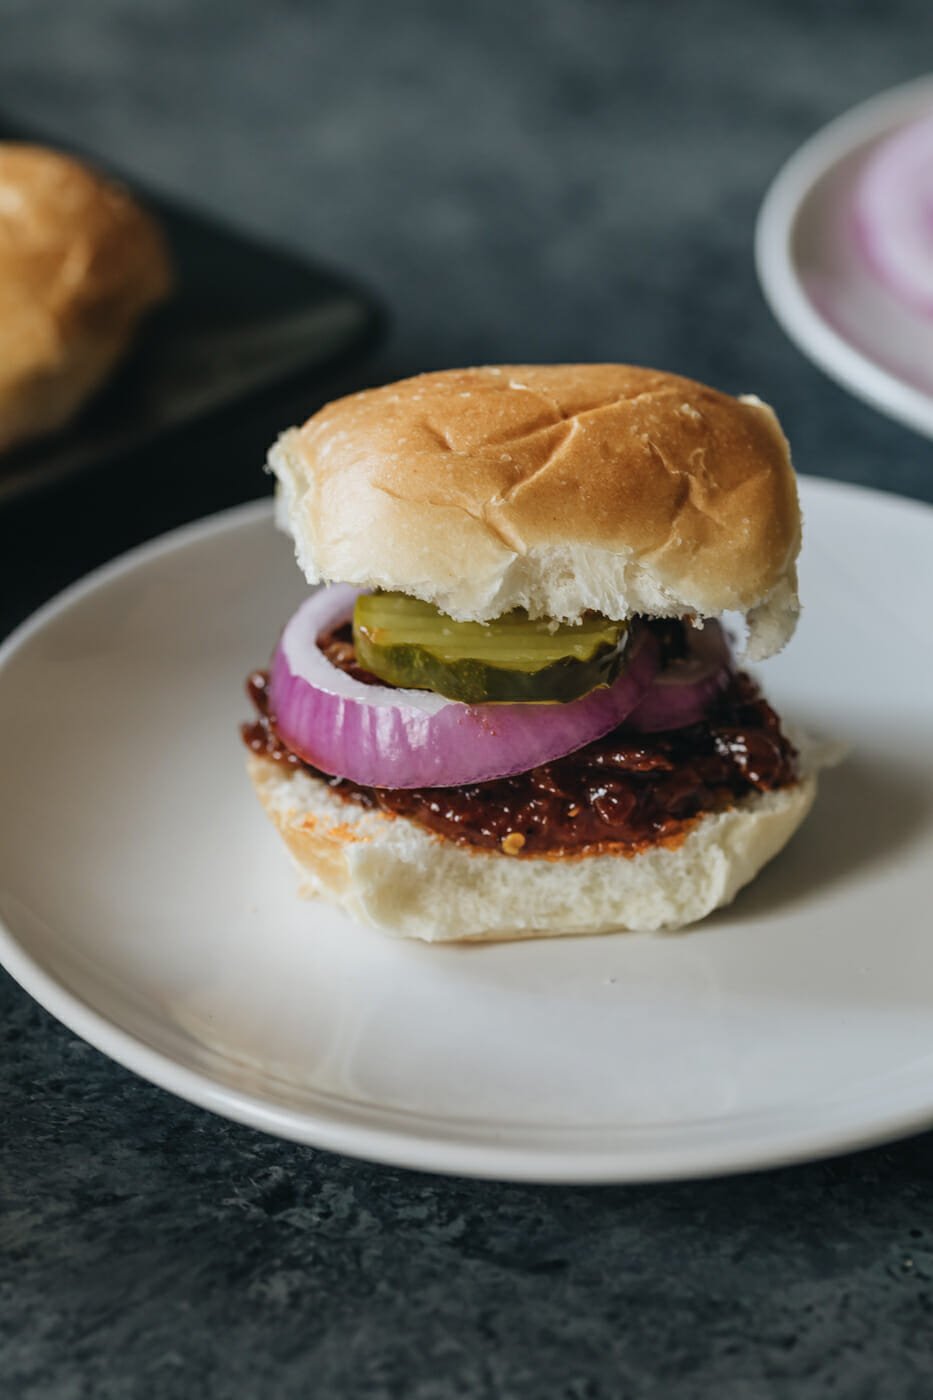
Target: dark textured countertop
(526, 181)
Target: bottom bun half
(392, 874)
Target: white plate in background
(817, 280)
(147, 903)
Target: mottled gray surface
(518, 180)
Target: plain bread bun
(80, 262)
(556, 488)
(389, 872)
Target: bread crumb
(512, 843)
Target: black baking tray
(254, 338)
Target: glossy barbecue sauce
(622, 793)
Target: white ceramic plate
(147, 904)
(817, 281)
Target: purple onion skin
(397, 746)
(891, 214)
(683, 693)
(672, 706)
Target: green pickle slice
(411, 644)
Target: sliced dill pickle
(513, 658)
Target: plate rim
(782, 288)
(414, 1148)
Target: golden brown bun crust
(556, 487)
(80, 262)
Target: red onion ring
(381, 737)
(893, 207)
(682, 692)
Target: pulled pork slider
(512, 711)
(81, 263)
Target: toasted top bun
(80, 262)
(557, 488)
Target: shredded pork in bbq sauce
(623, 792)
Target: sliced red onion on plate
(382, 737)
(682, 692)
(894, 213)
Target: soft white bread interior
(556, 488)
(393, 874)
(80, 263)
